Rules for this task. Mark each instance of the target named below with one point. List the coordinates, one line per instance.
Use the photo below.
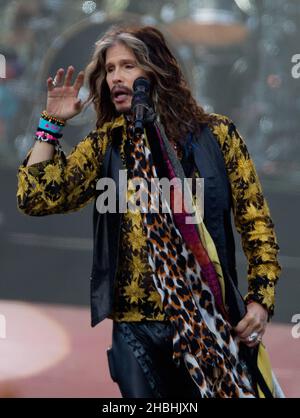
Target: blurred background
(241, 58)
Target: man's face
(121, 71)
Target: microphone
(140, 103)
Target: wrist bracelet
(50, 127)
(45, 137)
(52, 119)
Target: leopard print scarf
(202, 336)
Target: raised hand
(62, 98)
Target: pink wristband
(45, 135)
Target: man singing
(180, 326)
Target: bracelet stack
(49, 129)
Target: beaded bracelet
(52, 119)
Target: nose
(117, 77)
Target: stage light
(89, 7)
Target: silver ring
(254, 337)
(54, 82)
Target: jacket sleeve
(251, 215)
(62, 184)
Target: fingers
(245, 332)
(67, 81)
(68, 78)
(243, 325)
(253, 324)
(258, 332)
(50, 86)
(249, 325)
(254, 338)
(79, 81)
(248, 331)
(251, 344)
(58, 79)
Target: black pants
(140, 361)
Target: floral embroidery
(65, 184)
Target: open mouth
(120, 95)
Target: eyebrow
(123, 61)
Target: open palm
(62, 99)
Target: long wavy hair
(173, 102)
